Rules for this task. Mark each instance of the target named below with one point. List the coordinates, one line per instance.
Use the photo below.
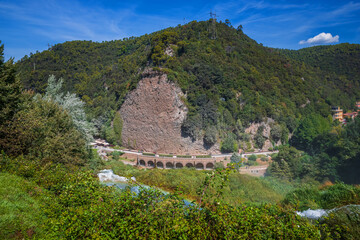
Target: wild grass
(240, 188)
(327, 197)
(20, 213)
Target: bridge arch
(199, 166)
(210, 165)
(142, 162)
(150, 164)
(169, 165)
(179, 165)
(189, 165)
(159, 165)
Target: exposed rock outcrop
(152, 117)
(253, 128)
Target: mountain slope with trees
(230, 81)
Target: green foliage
(108, 133)
(303, 198)
(229, 145)
(330, 197)
(203, 156)
(10, 89)
(148, 154)
(252, 157)
(276, 132)
(117, 126)
(210, 136)
(241, 188)
(75, 205)
(225, 80)
(251, 163)
(236, 160)
(342, 223)
(72, 104)
(343, 59)
(44, 130)
(192, 126)
(20, 208)
(291, 163)
(309, 128)
(116, 155)
(259, 138)
(160, 42)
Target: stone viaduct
(169, 162)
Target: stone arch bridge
(175, 163)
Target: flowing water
(108, 178)
(319, 213)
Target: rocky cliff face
(252, 130)
(152, 117)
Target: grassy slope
(20, 213)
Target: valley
(249, 134)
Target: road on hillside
(245, 154)
(215, 155)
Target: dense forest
(52, 103)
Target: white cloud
(321, 38)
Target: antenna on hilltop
(213, 25)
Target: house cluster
(341, 117)
(99, 144)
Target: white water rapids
(107, 175)
(319, 213)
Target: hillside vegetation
(48, 183)
(342, 59)
(230, 81)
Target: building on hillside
(351, 115)
(357, 105)
(338, 113)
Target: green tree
(44, 130)
(72, 104)
(236, 159)
(117, 126)
(252, 157)
(210, 136)
(309, 128)
(259, 138)
(229, 145)
(276, 132)
(10, 89)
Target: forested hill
(230, 80)
(342, 59)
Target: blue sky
(30, 26)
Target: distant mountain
(228, 79)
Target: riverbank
(240, 188)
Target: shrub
(210, 136)
(116, 155)
(229, 145)
(252, 157)
(148, 154)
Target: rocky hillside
(153, 114)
